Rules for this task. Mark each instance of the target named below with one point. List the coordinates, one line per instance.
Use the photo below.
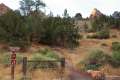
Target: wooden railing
(42, 62)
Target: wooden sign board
(14, 49)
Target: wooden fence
(46, 64)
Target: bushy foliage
(43, 55)
(100, 23)
(114, 22)
(104, 44)
(96, 59)
(115, 60)
(116, 46)
(92, 67)
(94, 36)
(105, 22)
(54, 31)
(13, 29)
(103, 34)
(21, 31)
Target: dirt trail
(76, 74)
(73, 74)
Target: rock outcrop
(116, 15)
(3, 9)
(95, 13)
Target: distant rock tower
(95, 13)
(3, 9)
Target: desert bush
(100, 23)
(48, 53)
(19, 30)
(96, 59)
(92, 36)
(43, 55)
(116, 46)
(60, 31)
(115, 57)
(97, 56)
(92, 67)
(85, 65)
(5, 59)
(13, 29)
(54, 31)
(104, 34)
(104, 44)
(115, 60)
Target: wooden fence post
(63, 62)
(62, 68)
(24, 68)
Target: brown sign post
(24, 67)
(13, 61)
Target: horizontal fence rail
(58, 65)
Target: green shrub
(96, 59)
(101, 23)
(92, 66)
(13, 29)
(5, 59)
(116, 46)
(86, 65)
(19, 30)
(97, 56)
(92, 36)
(45, 54)
(115, 59)
(103, 34)
(60, 31)
(104, 44)
(48, 53)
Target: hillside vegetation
(86, 43)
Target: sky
(84, 7)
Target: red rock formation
(3, 9)
(95, 13)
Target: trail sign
(14, 49)
(13, 55)
(13, 60)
